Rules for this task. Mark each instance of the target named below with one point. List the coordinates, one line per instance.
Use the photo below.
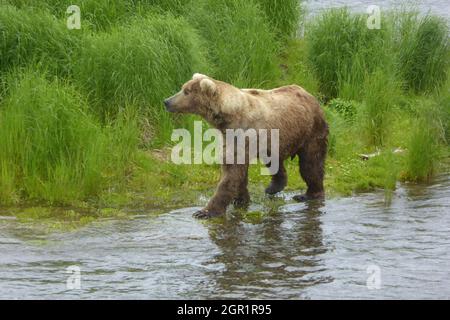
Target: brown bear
(296, 114)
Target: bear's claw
(241, 203)
(205, 214)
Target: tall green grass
(101, 15)
(283, 15)
(53, 150)
(295, 67)
(34, 36)
(65, 142)
(241, 45)
(94, 14)
(173, 6)
(140, 64)
(343, 51)
(427, 140)
(380, 94)
(423, 48)
(422, 154)
(422, 150)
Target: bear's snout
(168, 105)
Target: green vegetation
(342, 51)
(426, 136)
(283, 16)
(240, 43)
(82, 122)
(34, 37)
(139, 64)
(380, 96)
(53, 150)
(95, 15)
(376, 75)
(101, 15)
(423, 52)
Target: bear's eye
(186, 92)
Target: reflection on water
(297, 251)
(275, 259)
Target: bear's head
(198, 96)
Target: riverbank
(84, 134)
(168, 187)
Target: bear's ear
(199, 76)
(208, 86)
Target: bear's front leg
(228, 189)
(242, 199)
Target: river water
(355, 247)
(438, 7)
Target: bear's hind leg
(279, 181)
(312, 162)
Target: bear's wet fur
(303, 132)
